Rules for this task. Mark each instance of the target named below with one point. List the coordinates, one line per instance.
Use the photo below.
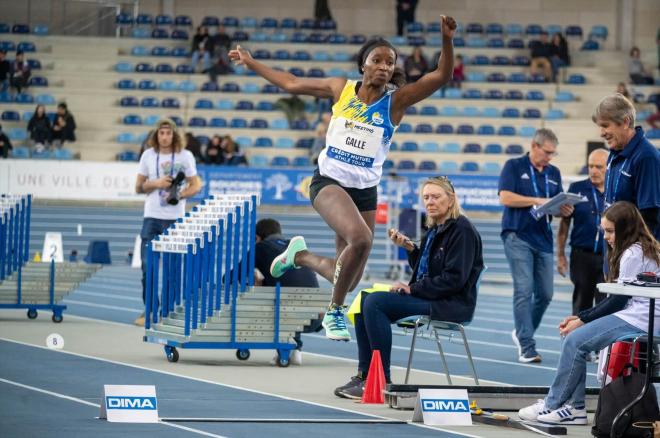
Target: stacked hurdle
(200, 286)
(25, 285)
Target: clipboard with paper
(553, 206)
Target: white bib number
(353, 142)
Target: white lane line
(96, 405)
(110, 296)
(225, 385)
(101, 306)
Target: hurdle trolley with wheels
(200, 290)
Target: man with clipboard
(527, 182)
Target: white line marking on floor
(255, 391)
(96, 405)
(101, 306)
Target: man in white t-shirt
(165, 157)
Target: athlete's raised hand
(448, 26)
(239, 55)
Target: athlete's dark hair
(398, 77)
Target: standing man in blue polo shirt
(633, 167)
(526, 182)
(586, 269)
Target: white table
(637, 291)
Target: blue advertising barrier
(291, 186)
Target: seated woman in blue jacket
(446, 267)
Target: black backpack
(617, 395)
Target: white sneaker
(531, 413)
(516, 342)
(567, 414)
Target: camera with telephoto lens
(173, 191)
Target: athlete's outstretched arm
(425, 86)
(326, 87)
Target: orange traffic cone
(375, 385)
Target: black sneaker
(355, 381)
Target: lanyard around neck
(158, 165)
(610, 196)
(597, 218)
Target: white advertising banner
(73, 180)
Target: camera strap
(158, 165)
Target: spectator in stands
(221, 42)
(293, 107)
(526, 182)
(159, 165)
(20, 73)
(586, 269)
(631, 250)
(459, 73)
(39, 128)
(633, 167)
(319, 138)
(214, 153)
(269, 244)
(541, 53)
(64, 127)
(5, 144)
(202, 46)
(322, 10)
(636, 71)
(221, 66)
(344, 191)
(231, 153)
(560, 57)
(5, 70)
(622, 89)
(405, 13)
(415, 65)
(194, 146)
(654, 118)
(446, 268)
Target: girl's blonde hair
(446, 185)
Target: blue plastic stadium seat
(280, 124)
(428, 110)
(144, 67)
(501, 60)
(140, 32)
(184, 69)
(240, 36)
(270, 89)
(451, 148)
(177, 120)
(281, 54)
(268, 23)
(257, 160)
(429, 146)
(423, 128)
(511, 113)
(279, 161)
(494, 29)
(171, 102)
(7, 46)
(11, 116)
(301, 55)
(495, 43)
(132, 119)
(288, 23)
(164, 68)
(124, 19)
(300, 125)
(406, 165)
(552, 29)
(4, 28)
(520, 60)
(554, 114)
(285, 143)
(229, 87)
(535, 95)
(471, 111)
(515, 43)
(486, 130)
(305, 143)
(476, 76)
(126, 84)
(315, 73)
(203, 139)
(127, 156)
(126, 137)
(261, 54)
(224, 104)
(469, 166)
(576, 79)
(453, 93)
(210, 87)
(40, 29)
(24, 98)
(537, 78)
(513, 95)
(415, 27)
(151, 119)
(491, 168)
(150, 102)
(238, 122)
(449, 111)
(409, 146)
(183, 21)
(427, 165)
(197, 122)
(179, 34)
(249, 23)
(531, 113)
(124, 67)
(357, 39)
(27, 115)
(590, 45)
(574, 31)
(388, 164)
(244, 105)
(296, 71)
(653, 134)
(564, 96)
(301, 162)
(26, 46)
(493, 148)
(20, 152)
(506, 130)
(168, 86)
(444, 128)
(526, 131)
(448, 167)
(490, 112)
(218, 122)
(263, 142)
(533, 29)
(129, 101)
(514, 29)
(259, 124)
(514, 149)
(465, 129)
(180, 52)
(265, 106)
(496, 77)
(160, 34)
(337, 38)
(480, 60)
(147, 84)
(472, 148)
(493, 94)
(517, 77)
(164, 20)
(230, 21)
(144, 19)
(598, 31)
(45, 99)
(244, 142)
(474, 28)
(405, 128)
